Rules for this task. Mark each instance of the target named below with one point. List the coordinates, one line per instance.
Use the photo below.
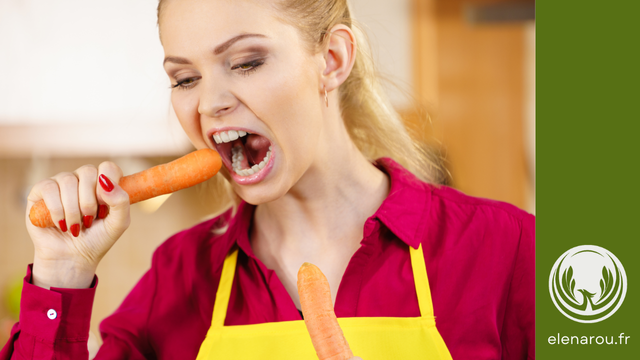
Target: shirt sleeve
(125, 333)
(53, 323)
(518, 332)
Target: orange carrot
(317, 308)
(182, 173)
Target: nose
(216, 100)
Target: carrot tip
(315, 299)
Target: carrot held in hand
(317, 308)
(182, 173)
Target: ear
(339, 56)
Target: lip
(255, 178)
(243, 180)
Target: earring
(326, 98)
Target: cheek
(186, 107)
(291, 107)
(302, 121)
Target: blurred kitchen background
(82, 82)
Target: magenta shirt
(479, 255)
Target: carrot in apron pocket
(319, 317)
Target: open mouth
(244, 153)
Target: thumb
(110, 193)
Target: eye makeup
(185, 83)
(245, 68)
(243, 61)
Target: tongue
(257, 147)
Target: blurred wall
(86, 79)
(388, 29)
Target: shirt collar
(240, 226)
(404, 210)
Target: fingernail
(106, 184)
(102, 211)
(75, 230)
(87, 220)
(63, 225)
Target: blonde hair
(373, 124)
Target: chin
(258, 194)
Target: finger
(87, 176)
(68, 184)
(48, 191)
(111, 194)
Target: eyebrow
(175, 60)
(227, 44)
(217, 51)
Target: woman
(326, 174)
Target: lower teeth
(237, 158)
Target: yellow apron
(369, 338)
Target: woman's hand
(67, 256)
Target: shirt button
(52, 314)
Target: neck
(321, 219)
(328, 205)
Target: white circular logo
(587, 284)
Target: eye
(246, 68)
(185, 83)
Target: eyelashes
(243, 69)
(248, 67)
(185, 83)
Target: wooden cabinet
(476, 81)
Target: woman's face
(244, 84)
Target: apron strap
(229, 267)
(421, 281)
(224, 290)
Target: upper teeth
(227, 136)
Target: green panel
(588, 188)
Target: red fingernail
(75, 230)
(106, 184)
(87, 220)
(103, 210)
(63, 225)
